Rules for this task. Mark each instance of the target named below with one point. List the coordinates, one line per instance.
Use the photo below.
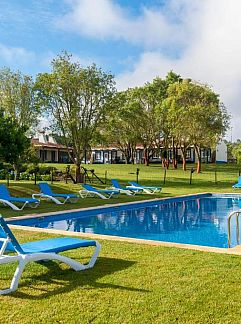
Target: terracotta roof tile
(36, 142)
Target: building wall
(221, 153)
(116, 156)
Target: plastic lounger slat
(56, 245)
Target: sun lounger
(116, 186)
(90, 191)
(238, 184)
(47, 193)
(147, 189)
(7, 200)
(38, 251)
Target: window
(97, 155)
(188, 154)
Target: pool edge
(234, 250)
(9, 219)
(201, 248)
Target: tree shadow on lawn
(68, 280)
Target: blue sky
(136, 40)
(34, 27)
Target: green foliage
(17, 98)
(235, 150)
(203, 118)
(78, 99)
(196, 115)
(123, 124)
(13, 141)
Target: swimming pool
(198, 219)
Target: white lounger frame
(14, 207)
(124, 191)
(54, 199)
(148, 191)
(88, 193)
(23, 259)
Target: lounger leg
(17, 275)
(77, 266)
(94, 256)
(8, 203)
(148, 191)
(16, 278)
(24, 259)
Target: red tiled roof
(36, 143)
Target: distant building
(49, 150)
(221, 152)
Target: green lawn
(130, 283)
(177, 183)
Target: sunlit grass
(177, 183)
(130, 283)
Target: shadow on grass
(68, 280)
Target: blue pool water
(200, 219)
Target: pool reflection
(201, 221)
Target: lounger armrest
(5, 243)
(35, 196)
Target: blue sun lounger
(90, 191)
(238, 184)
(116, 186)
(8, 200)
(147, 189)
(40, 250)
(46, 192)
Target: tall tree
(122, 129)
(13, 142)
(166, 140)
(143, 98)
(203, 118)
(17, 98)
(78, 99)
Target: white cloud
(11, 54)
(212, 56)
(204, 35)
(105, 19)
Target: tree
(202, 118)
(234, 151)
(147, 124)
(160, 93)
(17, 98)
(78, 99)
(13, 142)
(122, 128)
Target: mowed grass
(130, 283)
(177, 183)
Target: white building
(221, 152)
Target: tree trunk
(127, 155)
(132, 156)
(16, 168)
(174, 158)
(198, 153)
(146, 157)
(78, 174)
(184, 163)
